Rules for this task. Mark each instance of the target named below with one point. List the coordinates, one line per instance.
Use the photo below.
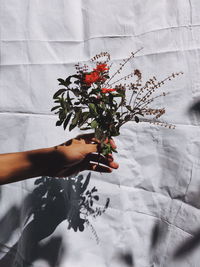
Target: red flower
(101, 68)
(92, 77)
(107, 90)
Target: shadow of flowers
(52, 201)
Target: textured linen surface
(158, 181)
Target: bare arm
(21, 165)
(60, 161)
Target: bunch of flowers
(97, 99)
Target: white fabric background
(158, 178)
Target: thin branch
(122, 65)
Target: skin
(71, 157)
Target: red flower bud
(107, 90)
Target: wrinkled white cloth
(158, 181)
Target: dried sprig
(102, 104)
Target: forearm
(22, 165)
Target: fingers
(99, 158)
(112, 142)
(93, 162)
(98, 168)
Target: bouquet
(102, 100)
(97, 99)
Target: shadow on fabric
(51, 202)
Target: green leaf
(118, 114)
(58, 123)
(99, 134)
(63, 104)
(127, 117)
(61, 81)
(92, 108)
(114, 150)
(117, 95)
(67, 120)
(68, 106)
(85, 128)
(84, 117)
(71, 126)
(62, 115)
(140, 113)
(94, 124)
(75, 120)
(110, 96)
(59, 92)
(102, 105)
(76, 92)
(76, 76)
(54, 108)
(105, 151)
(77, 82)
(69, 99)
(129, 108)
(136, 119)
(67, 81)
(107, 148)
(116, 134)
(85, 114)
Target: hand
(82, 153)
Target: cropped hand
(82, 153)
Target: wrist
(39, 160)
(49, 161)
